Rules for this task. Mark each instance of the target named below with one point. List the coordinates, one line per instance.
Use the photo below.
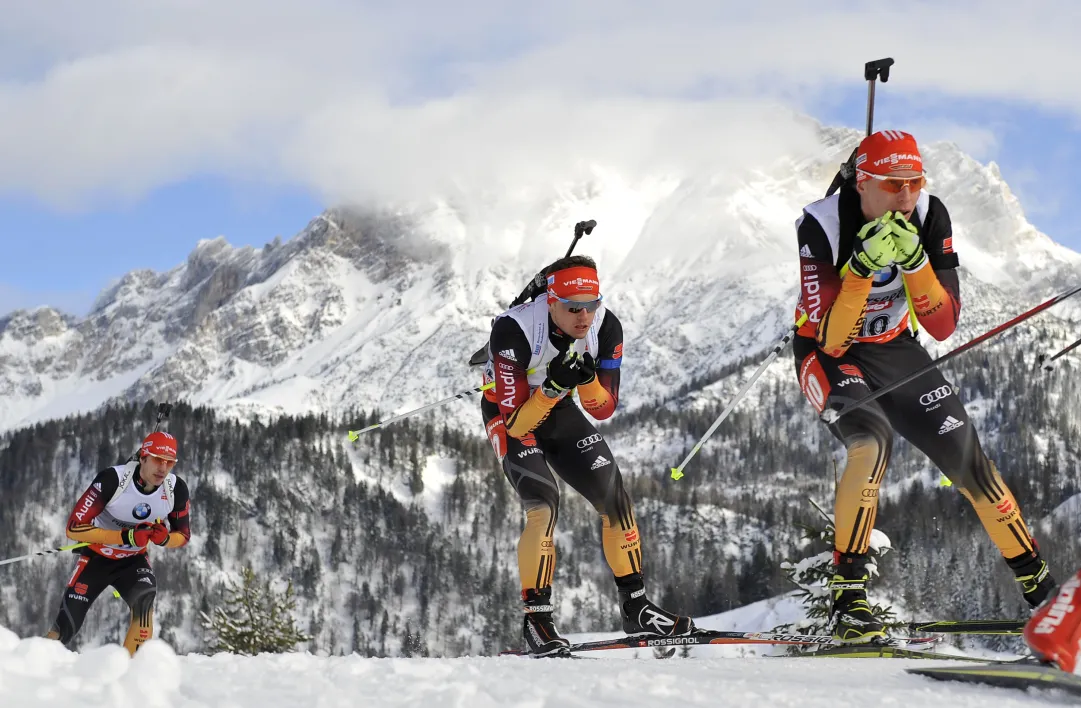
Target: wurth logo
(1060, 608)
(1005, 506)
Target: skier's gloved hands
(587, 369)
(906, 239)
(564, 373)
(144, 533)
(159, 534)
(873, 248)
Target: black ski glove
(587, 369)
(564, 372)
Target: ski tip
(353, 437)
(944, 481)
(676, 474)
(1022, 675)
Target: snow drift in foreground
(40, 672)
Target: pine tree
(811, 574)
(255, 619)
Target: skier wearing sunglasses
(541, 354)
(877, 262)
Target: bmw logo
(885, 275)
(141, 511)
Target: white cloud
(111, 99)
(981, 142)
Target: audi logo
(937, 395)
(591, 440)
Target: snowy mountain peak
(382, 305)
(35, 325)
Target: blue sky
(128, 132)
(64, 259)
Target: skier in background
(120, 514)
(877, 261)
(570, 342)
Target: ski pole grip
(580, 229)
(878, 69)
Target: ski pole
(539, 282)
(871, 70)
(355, 434)
(677, 472)
(580, 229)
(44, 553)
(1044, 361)
(995, 626)
(832, 416)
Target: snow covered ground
(39, 672)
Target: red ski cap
(161, 445)
(885, 152)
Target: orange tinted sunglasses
(894, 185)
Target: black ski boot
(1035, 577)
(640, 616)
(853, 622)
(539, 630)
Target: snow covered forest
(403, 544)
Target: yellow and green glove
(874, 248)
(906, 239)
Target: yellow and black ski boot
(851, 616)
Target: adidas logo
(949, 424)
(806, 251)
(599, 462)
(508, 354)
